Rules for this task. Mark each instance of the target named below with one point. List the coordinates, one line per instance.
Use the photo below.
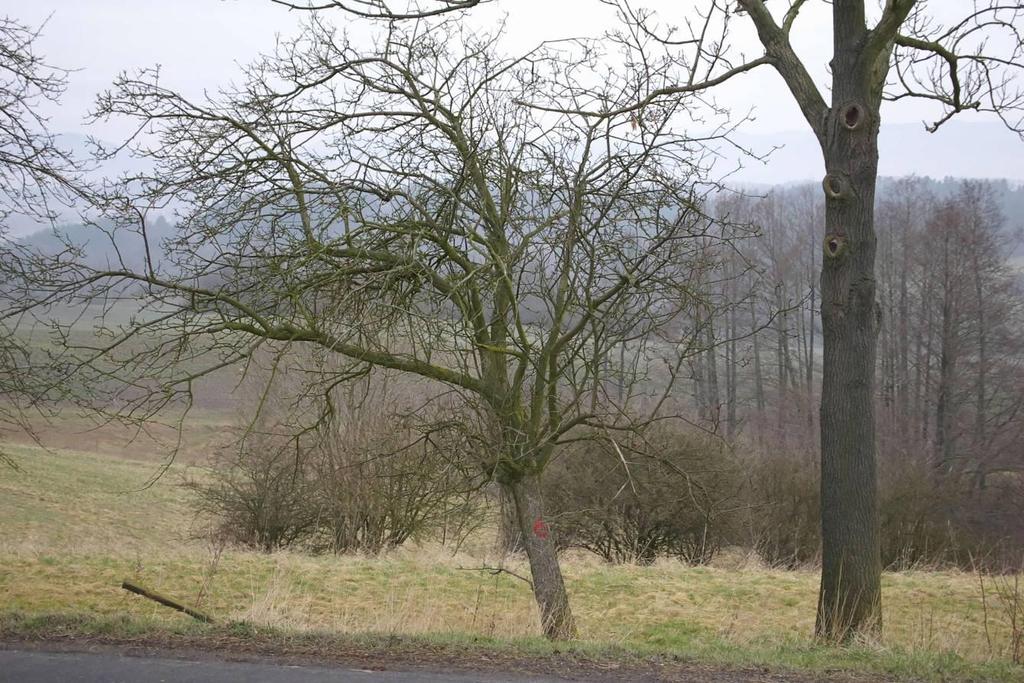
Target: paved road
(73, 667)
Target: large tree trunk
(850, 596)
(548, 585)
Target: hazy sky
(200, 43)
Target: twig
(495, 571)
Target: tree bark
(548, 585)
(850, 596)
(510, 537)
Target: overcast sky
(200, 43)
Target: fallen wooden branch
(167, 602)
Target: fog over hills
(960, 149)
(99, 251)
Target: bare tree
(37, 179)
(970, 295)
(902, 52)
(397, 208)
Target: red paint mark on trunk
(540, 529)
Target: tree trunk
(759, 400)
(948, 352)
(781, 359)
(887, 332)
(904, 330)
(510, 538)
(926, 395)
(730, 374)
(714, 398)
(698, 374)
(548, 585)
(850, 597)
(943, 458)
(810, 357)
(981, 384)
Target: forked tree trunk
(850, 596)
(548, 585)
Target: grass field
(75, 524)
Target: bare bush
(259, 494)
(365, 480)
(1010, 595)
(671, 494)
(944, 523)
(926, 521)
(918, 518)
(782, 524)
(1004, 595)
(381, 481)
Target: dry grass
(75, 524)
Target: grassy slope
(74, 524)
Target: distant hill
(78, 146)
(99, 251)
(97, 247)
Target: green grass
(82, 502)
(76, 524)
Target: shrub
(379, 483)
(943, 520)
(366, 480)
(926, 519)
(781, 518)
(259, 495)
(669, 494)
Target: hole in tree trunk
(835, 244)
(834, 186)
(852, 116)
